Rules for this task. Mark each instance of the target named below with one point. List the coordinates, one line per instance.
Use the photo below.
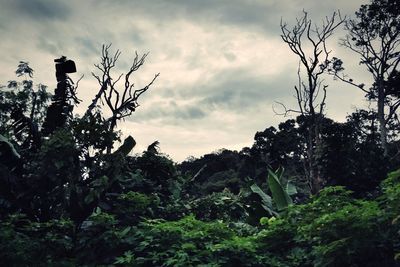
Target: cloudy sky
(222, 63)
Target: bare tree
(121, 102)
(308, 42)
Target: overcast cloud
(222, 63)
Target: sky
(222, 63)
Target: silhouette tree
(122, 103)
(23, 107)
(309, 43)
(66, 173)
(375, 36)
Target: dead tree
(309, 43)
(122, 102)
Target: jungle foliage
(73, 194)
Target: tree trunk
(318, 182)
(381, 118)
(314, 142)
(314, 145)
(113, 123)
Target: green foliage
(218, 181)
(127, 146)
(219, 170)
(72, 197)
(266, 200)
(7, 149)
(23, 108)
(333, 229)
(27, 243)
(355, 237)
(223, 205)
(190, 242)
(100, 238)
(391, 207)
(279, 194)
(131, 206)
(278, 238)
(159, 175)
(91, 132)
(127, 259)
(350, 153)
(279, 201)
(137, 201)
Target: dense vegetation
(72, 194)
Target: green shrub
(333, 229)
(27, 243)
(223, 205)
(190, 242)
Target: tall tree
(62, 165)
(309, 43)
(375, 36)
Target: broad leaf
(9, 146)
(266, 199)
(280, 196)
(291, 189)
(127, 146)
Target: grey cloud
(170, 113)
(89, 47)
(79, 28)
(238, 90)
(259, 14)
(262, 15)
(233, 11)
(191, 113)
(137, 38)
(168, 93)
(230, 56)
(235, 91)
(40, 9)
(244, 95)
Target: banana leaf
(127, 146)
(266, 201)
(9, 147)
(280, 196)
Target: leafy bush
(223, 205)
(27, 243)
(190, 242)
(333, 229)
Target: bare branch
(122, 102)
(96, 98)
(346, 79)
(286, 111)
(301, 35)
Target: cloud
(260, 15)
(38, 10)
(222, 63)
(236, 91)
(168, 113)
(239, 91)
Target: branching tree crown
(375, 36)
(122, 103)
(309, 43)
